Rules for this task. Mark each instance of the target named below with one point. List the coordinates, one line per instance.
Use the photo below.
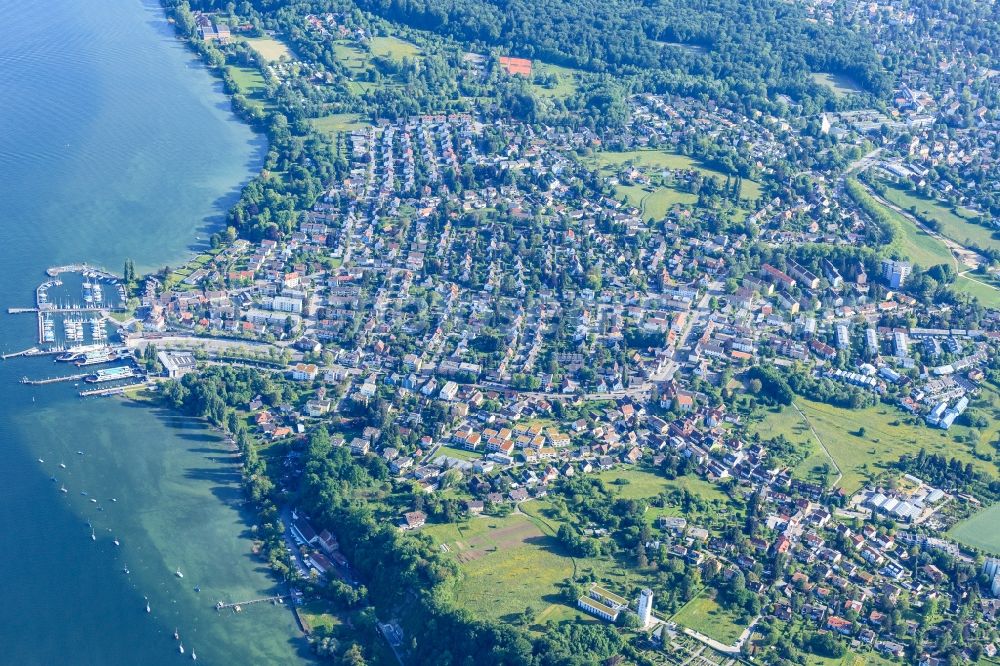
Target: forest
(747, 44)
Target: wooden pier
(238, 605)
(53, 380)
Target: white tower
(646, 607)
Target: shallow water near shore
(115, 143)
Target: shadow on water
(198, 437)
(217, 221)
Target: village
(718, 361)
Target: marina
(80, 298)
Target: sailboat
(148, 609)
(194, 657)
(180, 648)
(177, 635)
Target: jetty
(34, 351)
(238, 605)
(21, 310)
(53, 380)
(54, 271)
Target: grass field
(394, 48)
(317, 614)
(459, 454)
(980, 531)
(849, 659)
(608, 162)
(925, 250)
(705, 615)
(251, 84)
(567, 81)
(643, 485)
(954, 224)
(507, 564)
(889, 433)
(248, 78)
(917, 245)
(987, 295)
(654, 202)
(338, 122)
(269, 48)
(351, 57)
(841, 85)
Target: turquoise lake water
(115, 142)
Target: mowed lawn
(889, 434)
(954, 224)
(270, 48)
(663, 159)
(507, 564)
(706, 616)
(980, 531)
